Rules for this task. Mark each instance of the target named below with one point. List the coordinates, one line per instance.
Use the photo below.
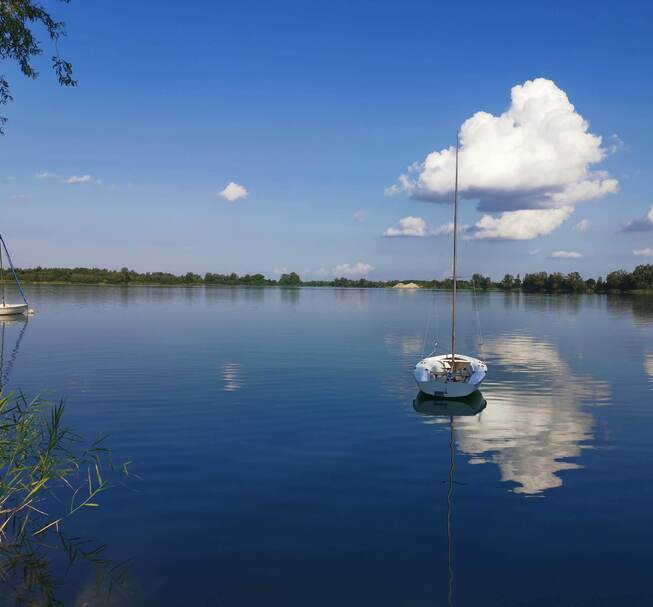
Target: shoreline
(388, 287)
(640, 280)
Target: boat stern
(434, 377)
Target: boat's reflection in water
(447, 407)
(450, 409)
(9, 352)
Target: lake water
(283, 459)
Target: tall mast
(2, 279)
(455, 247)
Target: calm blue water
(283, 460)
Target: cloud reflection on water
(232, 376)
(534, 423)
(648, 364)
(408, 346)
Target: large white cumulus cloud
(538, 154)
(519, 225)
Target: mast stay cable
(13, 271)
(2, 278)
(479, 330)
(433, 313)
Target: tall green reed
(48, 473)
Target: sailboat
(9, 309)
(451, 375)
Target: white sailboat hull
(12, 309)
(433, 376)
(447, 390)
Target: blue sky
(315, 109)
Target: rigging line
(13, 271)
(433, 312)
(2, 278)
(478, 319)
(426, 332)
(437, 315)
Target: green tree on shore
(537, 282)
(643, 276)
(620, 280)
(290, 280)
(507, 283)
(482, 282)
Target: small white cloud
(445, 229)
(234, 191)
(77, 179)
(535, 251)
(519, 225)
(615, 144)
(360, 215)
(280, 271)
(643, 253)
(566, 255)
(19, 197)
(46, 175)
(416, 227)
(348, 269)
(643, 224)
(582, 226)
(408, 226)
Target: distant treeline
(641, 278)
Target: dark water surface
(283, 460)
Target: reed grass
(48, 474)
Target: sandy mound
(406, 285)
